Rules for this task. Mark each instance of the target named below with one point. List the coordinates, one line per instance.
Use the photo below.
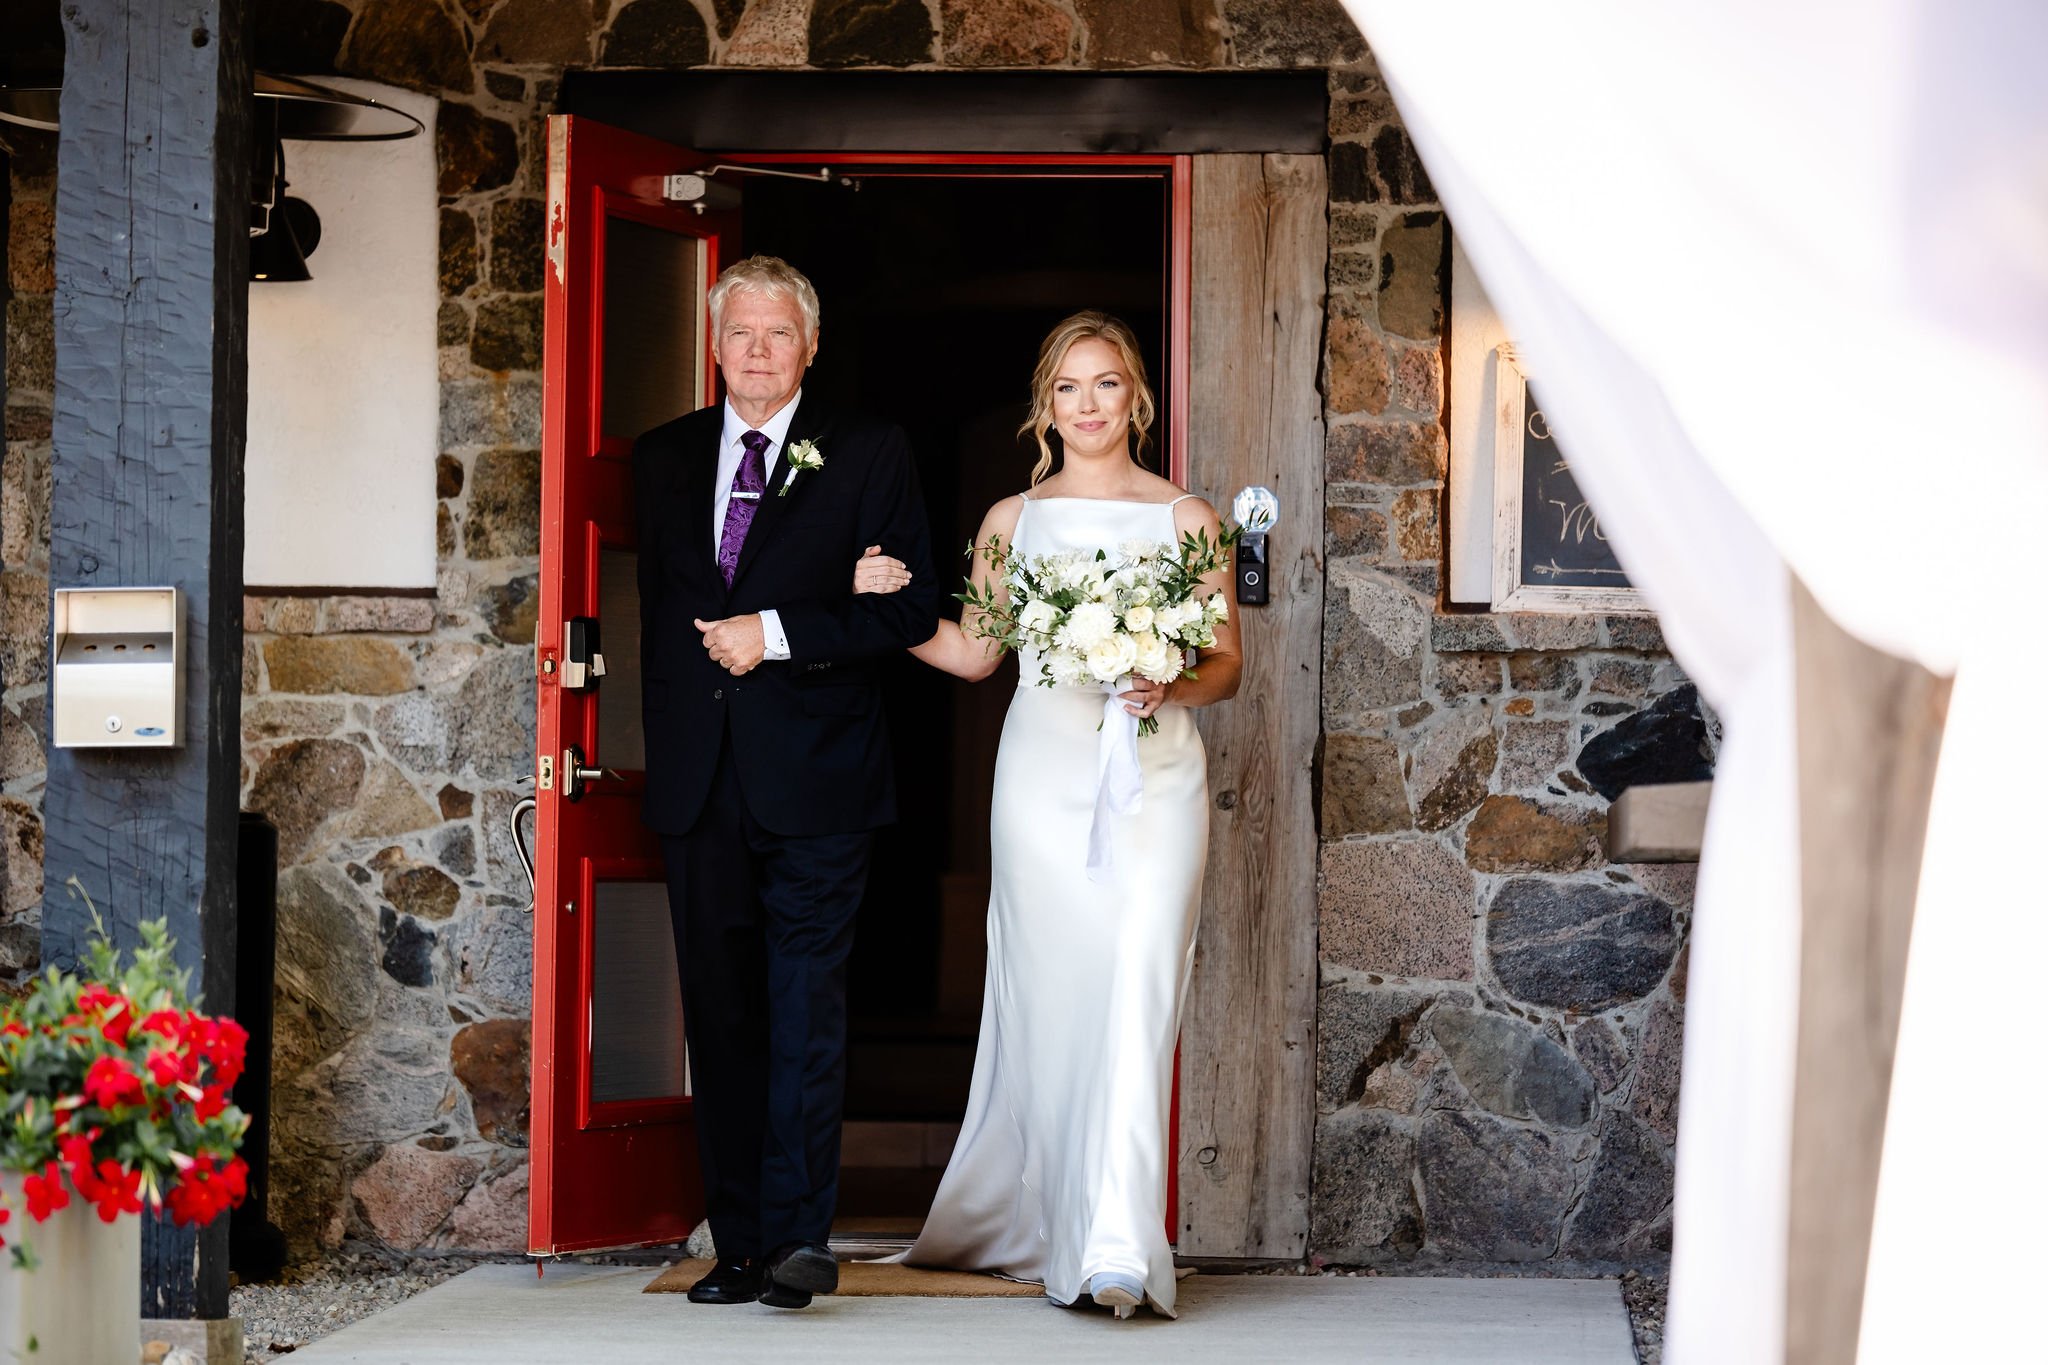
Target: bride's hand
(876, 572)
(1146, 697)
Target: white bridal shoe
(1120, 1292)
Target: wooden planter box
(82, 1305)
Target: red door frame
(574, 311)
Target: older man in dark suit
(768, 764)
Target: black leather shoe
(798, 1271)
(732, 1280)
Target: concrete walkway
(504, 1315)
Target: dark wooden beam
(146, 490)
(985, 111)
(1869, 729)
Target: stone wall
(25, 545)
(1500, 1014)
(1498, 1031)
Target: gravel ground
(322, 1296)
(1644, 1293)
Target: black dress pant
(763, 930)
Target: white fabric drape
(1782, 273)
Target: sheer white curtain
(1782, 272)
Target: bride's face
(1091, 399)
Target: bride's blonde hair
(1053, 353)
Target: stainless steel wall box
(117, 679)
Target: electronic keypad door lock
(582, 664)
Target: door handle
(527, 806)
(576, 776)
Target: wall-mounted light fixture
(286, 109)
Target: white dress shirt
(730, 453)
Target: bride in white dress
(1059, 1175)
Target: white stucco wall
(344, 406)
(1475, 330)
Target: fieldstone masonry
(29, 392)
(1501, 1008)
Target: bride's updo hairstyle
(1053, 353)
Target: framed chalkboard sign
(1549, 553)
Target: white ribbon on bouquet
(1119, 782)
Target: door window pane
(653, 320)
(621, 743)
(636, 1003)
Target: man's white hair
(772, 277)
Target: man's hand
(735, 644)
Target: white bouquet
(1103, 619)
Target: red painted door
(614, 1159)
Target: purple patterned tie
(750, 478)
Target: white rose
(1037, 615)
(1138, 618)
(1088, 625)
(1071, 571)
(1152, 656)
(1112, 657)
(1065, 667)
(1169, 619)
(1219, 610)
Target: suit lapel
(808, 424)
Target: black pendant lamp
(278, 256)
(283, 231)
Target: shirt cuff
(772, 636)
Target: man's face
(762, 349)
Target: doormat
(866, 1279)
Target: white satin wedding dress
(1060, 1170)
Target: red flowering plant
(114, 1091)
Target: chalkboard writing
(1562, 543)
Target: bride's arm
(1221, 665)
(951, 649)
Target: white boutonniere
(802, 456)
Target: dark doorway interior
(936, 291)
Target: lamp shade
(305, 111)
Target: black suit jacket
(808, 735)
